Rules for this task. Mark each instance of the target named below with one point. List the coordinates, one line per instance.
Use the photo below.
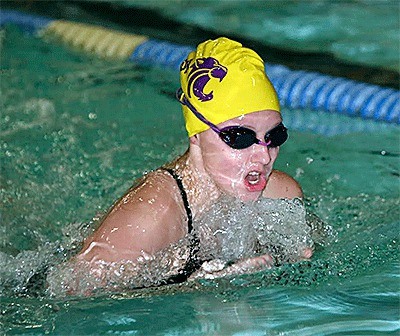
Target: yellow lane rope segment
(103, 42)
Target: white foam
(232, 230)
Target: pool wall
(296, 89)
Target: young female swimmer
(235, 130)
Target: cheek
(226, 161)
(216, 158)
(273, 152)
(223, 164)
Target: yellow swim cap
(223, 80)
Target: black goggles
(239, 137)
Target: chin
(250, 196)
(245, 195)
(241, 193)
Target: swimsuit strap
(193, 263)
(184, 198)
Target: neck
(200, 189)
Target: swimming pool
(74, 137)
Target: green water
(75, 133)
(362, 32)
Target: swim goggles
(239, 137)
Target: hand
(217, 268)
(307, 253)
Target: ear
(194, 140)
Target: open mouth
(255, 181)
(253, 178)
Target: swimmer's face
(242, 173)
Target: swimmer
(235, 130)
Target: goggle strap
(262, 143)
(180, 95)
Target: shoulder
(155, 189)
(155, 203)
(147, 218)
(281, 185)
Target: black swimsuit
(37, 283)
(184, 198)
(193, 262)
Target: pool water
(77, 131)
(359, 32)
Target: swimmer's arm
(217, 268)
(127, 240)
(281, 185)
(139, 226)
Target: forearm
(217, 268)
(81, 277)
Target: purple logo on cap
(200, 72)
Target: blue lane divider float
(296, 89)
(160, 53)
(28, 23)
(302, 89)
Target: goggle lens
(238, 137)
(277, 136)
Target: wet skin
(242, 173)
(151, 215)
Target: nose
(260, 154)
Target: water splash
(232, 230)
(238, 230)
